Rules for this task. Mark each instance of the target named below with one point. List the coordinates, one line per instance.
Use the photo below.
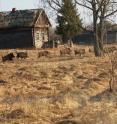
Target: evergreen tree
(69, 23)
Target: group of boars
(46, 53)
(11, 56)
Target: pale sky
(7, 5)
(19, 4)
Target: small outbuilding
(88, 37)
(24, 28)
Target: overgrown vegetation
(56, 91)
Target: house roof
(19, 18)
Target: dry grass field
(56, 90)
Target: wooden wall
(40, 36)
(41, 30)
(16, 38)
(110, 37)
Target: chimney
(13, 10)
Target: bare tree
(101, 10)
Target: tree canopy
(69, 22)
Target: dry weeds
(60, 90)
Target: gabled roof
(20, 18)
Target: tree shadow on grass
(67, 122)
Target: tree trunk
(97, 47)
(97, 44)
(101, 33)
(98, 35)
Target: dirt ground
(56, 90)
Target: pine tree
(69, 23)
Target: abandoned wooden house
(24, 28)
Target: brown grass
(58, 90)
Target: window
(43, 38)
(37, 36)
